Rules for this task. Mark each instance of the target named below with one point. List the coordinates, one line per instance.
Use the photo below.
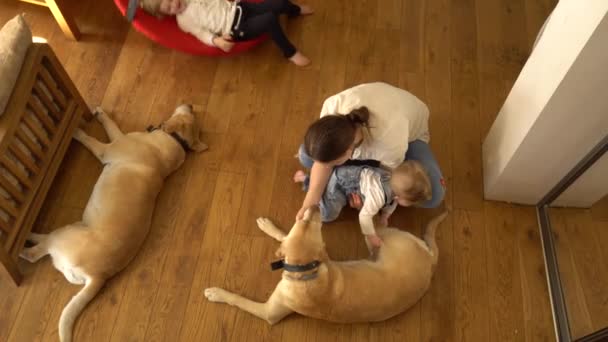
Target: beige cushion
(15, 39)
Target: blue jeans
(417, 150)
(421, 152)
(344, 181)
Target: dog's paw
(215, 294)
(264, 223)
(30, 254)
(98, 112)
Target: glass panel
(579, 219)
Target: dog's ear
(186, 127)
(323, 255)
(172, 126)
(197, 144)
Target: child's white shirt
(375, 200)
(397, 117)
(206, 19)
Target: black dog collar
(294, 268)
(183, 143)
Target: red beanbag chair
(166, 32)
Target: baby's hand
(374, 240)
(223, 43)
(354, 201)
(384, 220)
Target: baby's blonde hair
(410, 181)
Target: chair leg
(87, 115)
(65, 21)
(10, 266)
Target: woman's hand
(300, 214)
(319, 176)
(223, 43)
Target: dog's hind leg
(35, 253)
(36, 238)
(95, 146)
(269, 228)
(108, 124)
(272, 311)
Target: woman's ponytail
(359, 116)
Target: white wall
(557, 110)
(589, 188)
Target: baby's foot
(299, 59)
(300, 176)
(306, 10)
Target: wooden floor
(460, 56)
(581, 237)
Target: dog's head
(183, 125)
(304, 243)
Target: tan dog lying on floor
(344, 292)
(117, 217)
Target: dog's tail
(429, 235)
(75, 307)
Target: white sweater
(397, 117)
(206, 19)
(375, 199)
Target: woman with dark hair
(374, 124)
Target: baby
(221, 22)
(374, 191)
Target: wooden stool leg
(87, 115)
(10, 266)
(65, 21)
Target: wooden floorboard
(459, 56)
(537, 323)
(471, 277)
(504, 274)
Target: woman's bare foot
(306, 10)
(299, 59)
(300, 176)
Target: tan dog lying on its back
(117, 217)
(344, 292)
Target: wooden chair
(65, 21)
